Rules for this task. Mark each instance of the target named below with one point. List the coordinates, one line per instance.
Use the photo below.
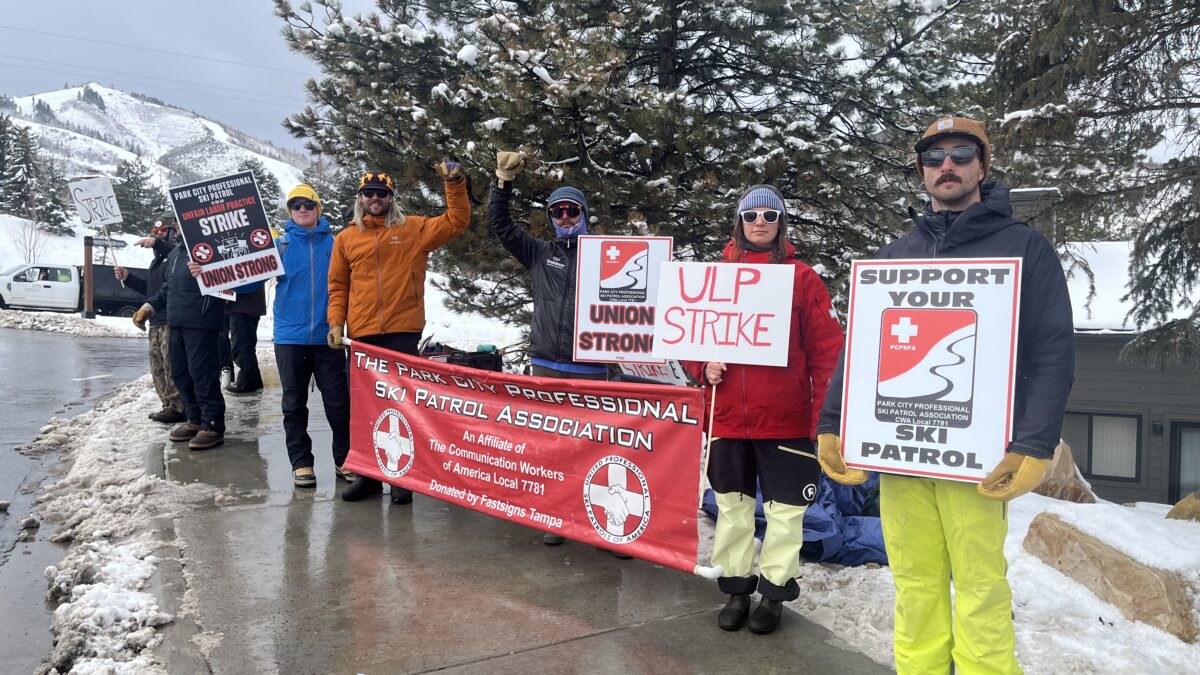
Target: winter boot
(169, 416)
(734, 614)
(401, 496)
(184, 432)
(766, 616)
(362, 488)
(207, 438)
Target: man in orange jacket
(377, 276)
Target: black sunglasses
(565, 210)
(749, 217)
(961, 155)
(370, 193)
(302, 205)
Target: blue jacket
(302, 294)
(1046, 337)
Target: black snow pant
(243, 337)
(298, 365)
(193, 353)
(405, 343)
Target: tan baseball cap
(955, 127)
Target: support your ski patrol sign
(930, 359)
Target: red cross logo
(617, 499)
(202, 253)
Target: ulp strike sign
(616, 285)
(930, 360)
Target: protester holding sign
(551, 265)
(195, 320)
(936, 530)
(301, 305)
(763, 425)
(377, 276)
(162, 240)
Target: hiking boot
(304, 477)
(734, 614)
(207, 438)
(226, 377)
(168, 416)
(401, 495)
(619, 555)
(553, 539)
(362, 488)
(239, 390)
(184, 432)
(344, 474)
(766, 616)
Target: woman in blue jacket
(301, 299)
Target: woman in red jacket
(763, 427)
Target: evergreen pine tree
(141, 200)
(20, 180)
(337, 188)
(52, 210)
(7, 131)
(268, 189)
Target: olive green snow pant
(788, 472)
(939, 531)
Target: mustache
(947, 178)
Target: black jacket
(155, 276)
(179, 296)
(1046, 336)
(551, 265)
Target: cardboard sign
(668, 372)
(725, 312)
(95, 202)
(610, 464)
(226, 232)
(930, 360)
(616, 285)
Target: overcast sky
(34, 57)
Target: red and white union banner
(616, 465)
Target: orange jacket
(377, 273)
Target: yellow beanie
(305, 191)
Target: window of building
(1105, 446)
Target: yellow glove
(829, 455)
(1015, 475)
(449, 171)
(508, 165)
(334, 339)
(139, 317)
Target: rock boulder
(1063, 480)
(1187, 508)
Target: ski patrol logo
(926, 367)
(393, 443)
(623, 273)
(617, 499)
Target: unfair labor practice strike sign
(930, 360)
(616, 285)
(225, 229)
(725, 312)
(606, 463)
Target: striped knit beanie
(569, 194)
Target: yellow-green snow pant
(939, 531)
(788, 471)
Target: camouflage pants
(160, 368)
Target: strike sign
(930, 360)
(615, 289)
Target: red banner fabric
(616, 465)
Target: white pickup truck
(55, 286)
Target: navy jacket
(1046, 334)
(156, 273)
(302, 293)
(180, 297)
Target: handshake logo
(617, 499)
(393, 443)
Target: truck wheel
(3, 304)
(127, 312)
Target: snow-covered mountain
(93, 134)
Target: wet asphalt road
(45, 375)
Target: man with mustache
(938, 531)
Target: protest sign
(611, 464)
(95, 202)
(226, 232)
(930, 360)
(616, 285)
(724, 312)
(668, 372)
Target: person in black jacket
(162, 240)
(242, 316)
(938, 530)
(551, 265)
(195, 320)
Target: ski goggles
(564, 210)
(961, 155)
(751, 217)
(302, 205)
(372, 193)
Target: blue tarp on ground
(842, 524)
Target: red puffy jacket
(781, 401)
